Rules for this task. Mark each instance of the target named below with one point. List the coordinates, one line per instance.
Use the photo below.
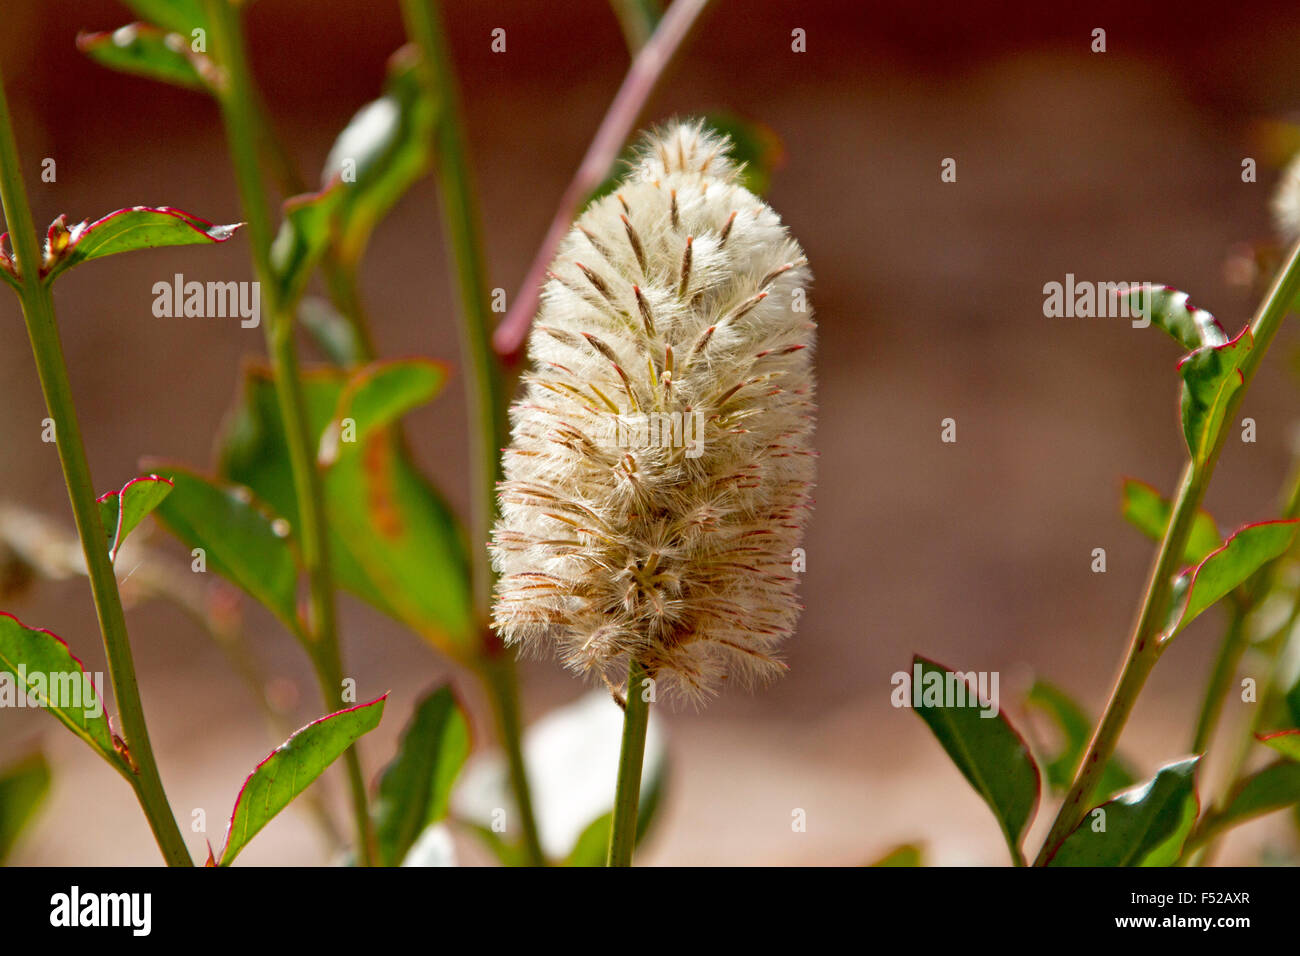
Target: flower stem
(240, 115)
(636, 718)
(482, 379)
(1146, 645)
(47, 349)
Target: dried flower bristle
(659, 474)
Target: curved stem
(636, 718)
(47, 349)
(1145, 646)
(240, 115)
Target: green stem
(484, 395)
(636, 718)
(240, 115)
(1225, 668)
(1145, 646)
(47, 349)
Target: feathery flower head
(659, 474)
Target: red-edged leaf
(1285, 742)
(145, 50)
(289, 769)
(45, 663)
(139, 227)
(1211, 377)
(122, 511)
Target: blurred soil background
(1114, 167)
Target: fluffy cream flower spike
(660, 469)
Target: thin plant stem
(1225, 667)
(643, 75)
(484, 393)
(631, 756)
(47, 349)
(1146, 645)
(240, 115)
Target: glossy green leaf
(1148, 511)
(1170, 310)
(23, 785)
(40, 662)
(1285, 742)
(180, 16)
(301, 241)
(291, 768)
(415, 788)
(1275, 787)
(383, 150)
(122, 511)
(592, 845)
(241, 540)
(145, 50)
(1211, 377)
(904, 855)
(1244, 553)
(394, 541)
(1145, 826)
(140, 227)
(987, 750)
(1076, 731)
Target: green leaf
(1244, 553)
(1076, 732)
(987, 750)
(1170, 310)
(1293, 702)
(242, 541)
(122, 511)
(23, 785)
(333, 334)
(383, 150)
(145, 50)
(1285, 742)
(291, 768)
(592, 845)
(906, 854)
(1145, 826)
(1211, 377)
(394, 541)
(180, 16)
(140, 227)
(302, 239)
(1272, 788)
(416, 787)
(57, 679)
(1146, 510)
(638, 19)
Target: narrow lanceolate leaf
(23, 786)
(906, 854)
(1148, 511)
(304, 234)
(122, 511)
(1145, 826)
(1211, 377)
(415, 789)
(140, 227)
(1272, 788)
(1076, 730)
(292, 767)
(1170, 310)
(394, 540)
(145, 50)
(987, 750)
(1285, 742)
(42, 665)
(1244, 553)
(181, 16)
(240, 539)
(382, 151)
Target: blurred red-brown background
(1117, 166)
